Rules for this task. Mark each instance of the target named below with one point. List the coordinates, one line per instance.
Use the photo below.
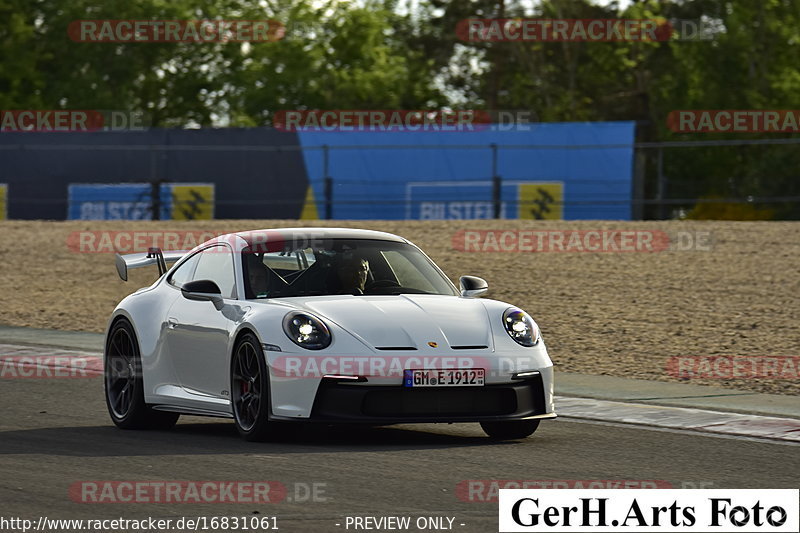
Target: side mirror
(203, 290)
(473, 287)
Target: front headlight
(307, 331)
(520, 327)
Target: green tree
(335, 56)
(20, 80)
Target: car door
(197, 333)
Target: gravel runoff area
(729, 289)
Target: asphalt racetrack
(55, 433)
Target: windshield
(342, 266)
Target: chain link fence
(746, 179)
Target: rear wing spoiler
(154, 256)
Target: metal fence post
(497, 183)
(662, 186)
(155, 188)
(637, 193)
(328, 182)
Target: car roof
(299, 234)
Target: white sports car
(320, 325)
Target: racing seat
(261, 280)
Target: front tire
(511, 429)
(124, 386)
(250, 389)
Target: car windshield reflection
(341, 267)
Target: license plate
(464, 377)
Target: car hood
(406, 321)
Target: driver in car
(352, 273)
(257, 276)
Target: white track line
(768, 427)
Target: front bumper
(341, 401)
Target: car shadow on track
(200, 438)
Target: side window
(184, 272)
(216, 264)
(288, 263)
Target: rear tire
(511, 429)
(250, 400)
(123, 383)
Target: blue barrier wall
(373, 183)
(264, 173)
